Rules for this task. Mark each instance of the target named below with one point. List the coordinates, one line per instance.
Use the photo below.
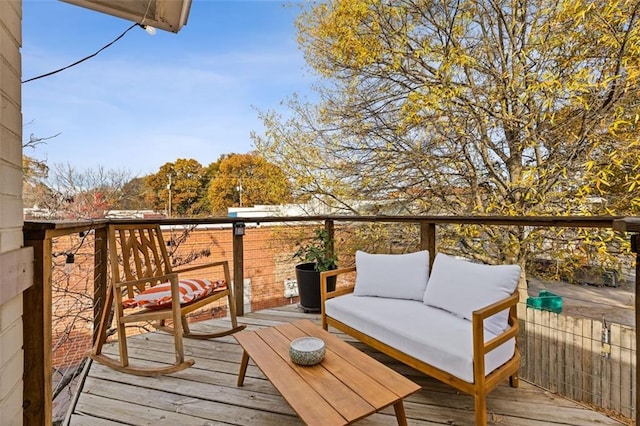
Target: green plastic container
(546, 301)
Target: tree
(34, 173)
(184, 183)
(67, 193)
(466, 107)
(247, 180)
(86, 194)
(34, 170)
(135, 191)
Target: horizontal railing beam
(620, 223)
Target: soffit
(168, 15)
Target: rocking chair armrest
(142, 281)
(223, 263)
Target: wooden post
(37, 386)
(428, 240)
(635, 247)
(238, 266)
(329, 226)
(99, 276)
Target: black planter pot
(309, 286)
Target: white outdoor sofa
(458, 325)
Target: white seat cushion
(431, 335)
(399, 276)
(461, 287)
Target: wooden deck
(206, 394)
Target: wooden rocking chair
(143, 287)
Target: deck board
(207, 393)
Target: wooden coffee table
(346, 386)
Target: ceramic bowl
(307, 350)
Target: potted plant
(317, 256)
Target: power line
(85, 58)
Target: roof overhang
(168, 15)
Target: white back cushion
(461, 287)
(398, 276)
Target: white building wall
(11, 337)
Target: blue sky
(148, 100)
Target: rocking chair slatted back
(143, 254)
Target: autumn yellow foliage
(469, 107)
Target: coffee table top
(346, 386)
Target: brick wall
(11, 355)
(268, 260)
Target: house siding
(11, 335)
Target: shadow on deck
(206, 393)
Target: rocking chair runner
(139, 262)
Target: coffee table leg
(398, 407)
(243, 368)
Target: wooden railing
(37, 299)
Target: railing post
(99, 276)
(428, 240)
(329, 226)
(635, 247)
(37, 386)
(238, 266)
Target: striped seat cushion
(159, 296)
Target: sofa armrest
(326, 295)
(480, 347)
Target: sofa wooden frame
(482, 384)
